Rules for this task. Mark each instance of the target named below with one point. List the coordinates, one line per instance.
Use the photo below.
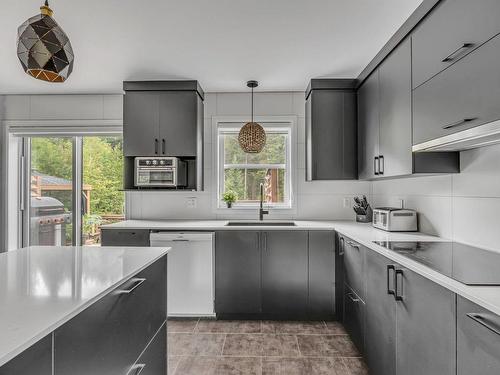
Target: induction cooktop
(467, 264)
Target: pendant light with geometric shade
(252, 137)
(43, 48)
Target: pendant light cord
(46, 3)
(252, 104)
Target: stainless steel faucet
(262, 212)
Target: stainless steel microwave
(160, 172)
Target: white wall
(313, 200)
(464, 207)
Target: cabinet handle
(381, 165)
(352, 244)
(455, 53)
(136, 369)
(397, 296)
(352, 298)
(163, 146)
(460, 122)
(136, 282)
(180, 240)
(156, 146)
(342, 244)
(478, 318)
(375, 165)
(389, 268)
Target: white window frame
(272, 124)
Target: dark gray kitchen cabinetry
(124, 237)
(461, 97)
(109, 336)
(380, 329)
(395, 155)
(331, 117)
(321, 299)
(450, 32)
(354, 266)
(153, 360)
(478, 339)
(163, 118)
(354, 317)
(284, 273)
(237, 273)
(426, 326)
(37, 359)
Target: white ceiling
(221, 43)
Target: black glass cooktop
(467, 264)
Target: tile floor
(214, 347)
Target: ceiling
(221, 43)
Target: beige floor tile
(291, 327)
(181, 326)
(229, 326)
(317, 346)
(196, 366)
(260, 345)
(173, 362)
(335, 328)
(303, 366)
(356, 366)
(195, 344)
(237, 366)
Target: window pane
(102, 201)
(51, 185)
(245, 183)
(274, 151)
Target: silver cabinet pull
(180, 240)
(163, 146)
(397, 295)
(352, 298)
(135, 283)
(381, 164)
(156, 146)
(341, 244)
(352, 244)
(376, 165)
(455, 53)
(136, 369)
(460, 122)
(390, 268)
(478, 318)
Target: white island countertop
(363, 233)
(41, 288)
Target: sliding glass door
(73, 185)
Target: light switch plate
(191, 202)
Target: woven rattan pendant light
(43, 48)
(252, 137)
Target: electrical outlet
(347, 202)
(401, 203)
(191, 202)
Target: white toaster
(395, 219)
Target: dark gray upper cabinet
(463, 96)
(331, 130)
(37, 359)
(478, 340)
(451, 31)
(426, 329)
(163, 118)
(395, 113)
(321, 303)
(284, 273)
(237, 273)
(380, 330)
(368, 126)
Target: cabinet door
(395, 113)
(237, 273)
(125, 237)
(354, 266)
(110, 335)
(37, 359)
(440, 39)
(426, 326)
(368, 126)
(463, 96)
(141, 124)
(380, 329)
(179, 123)
(153, 361)
(284, 273)
(478, 339)
(354, 317)
(321, 304)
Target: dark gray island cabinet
(123, 333)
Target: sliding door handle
(398, 290)
(460, 122)
(457, 52)
(390, 268)
(481, 319)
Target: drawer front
(108, 337)
(354, 266)
(462, 97)
(450, 32)
(354, 317)
(37, 359)
(153, 361)
(124, 237)
(478, 340)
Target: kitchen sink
(261, 224)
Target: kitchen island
(81, 310)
